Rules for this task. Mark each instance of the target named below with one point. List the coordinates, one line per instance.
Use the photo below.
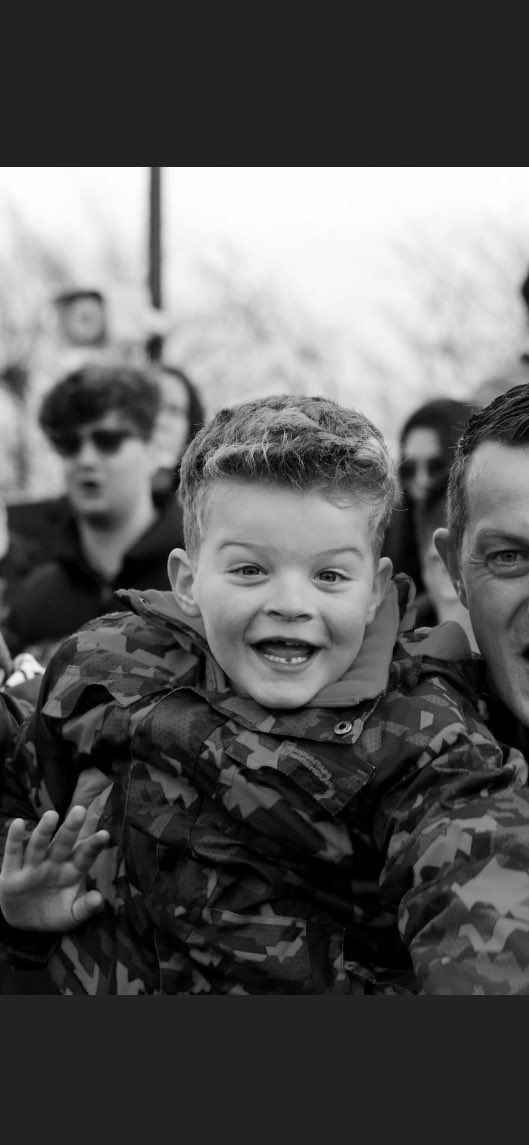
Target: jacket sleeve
(41, 771)
(27, 949)
(457, 862)
(32, 778)
(76, 749)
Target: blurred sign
(82, 317)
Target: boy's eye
(330, 576)
(247, 570)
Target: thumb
(86, 905)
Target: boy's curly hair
(306, 443)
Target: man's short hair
(293, 441)
(504, 420)
(90, 392)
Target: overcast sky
(315, 229)
(322, 238)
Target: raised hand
(43, 882)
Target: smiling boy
(262, 782)
(286, 582)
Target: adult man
(486, 551)
(100, 419)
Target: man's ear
(182, 581)
(381, 580)
(448, 555)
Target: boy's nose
(288, 602)
(289, 613)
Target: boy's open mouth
(285, 651)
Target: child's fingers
(64, 840)
(87, 850)
(14, 847)
(40, 839)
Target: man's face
(285, 583)
(108, 470)
(495, 568)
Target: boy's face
(285, 583)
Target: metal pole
(154, 345)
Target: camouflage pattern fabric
(380, 846)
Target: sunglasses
(105, 440)
(433, 466)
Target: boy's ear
(448, 555)
(182, 580)
(381, 580)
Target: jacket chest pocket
(290, 795)
(326, 773)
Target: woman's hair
(294, 441)
(197, 414)
(166, 479)
(446, 417)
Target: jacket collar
(367, 677)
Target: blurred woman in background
(181, 415)
(426, 444)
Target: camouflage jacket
(373, 842)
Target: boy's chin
(281, 698)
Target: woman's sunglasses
(105, 440)
(433, 466)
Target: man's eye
(504, 556)
(509, 560)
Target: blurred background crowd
(403, 291)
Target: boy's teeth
(285, 651)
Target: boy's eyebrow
(246, 544)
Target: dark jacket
(473, 675)
(65, 592)
(22, 556)
(359, 845)
(43, 522)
